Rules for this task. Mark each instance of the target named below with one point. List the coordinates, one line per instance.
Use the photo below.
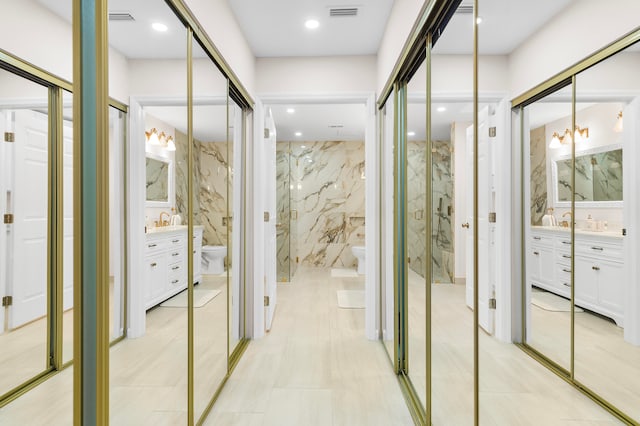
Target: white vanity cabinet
(166, 263)
(598, 263)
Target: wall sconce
(619, 125)
(152, 136)
(558, 140)
(170, 145)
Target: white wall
(316, 76)
(582, 28)
(218, 20)
(401, 19)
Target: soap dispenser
(589, 223)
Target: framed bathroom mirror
(598, 178)
(159, 181)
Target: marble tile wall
(210, 178)
(538, 183)
(283, 256)
(442, 237)
(327, 201)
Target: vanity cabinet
(166, 263)
(598, 263)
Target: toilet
(358, 252)
(213, 259)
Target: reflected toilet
(213, 259)
(359, 253)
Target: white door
(5, 172)
(67, 206)
(28, 283)
(270, 248)
(485, 314)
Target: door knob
(465, 225)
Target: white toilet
(213, 259)
(358, 252)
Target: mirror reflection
(598, 177)
(157, 179)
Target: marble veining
(157, 180)
(538, 182)
(442, 191)
(598, 177)
(326, 199)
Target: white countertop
(167, 229)
(608, 233)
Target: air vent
(465, 9)
(343, 11)
(120, 16)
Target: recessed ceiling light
(411, 133)
(312, 24)
(291, 110)
(478, 20)
(298, 133)
(159, 27)
(442, 109)
(302, 146)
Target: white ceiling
(505, 25)
(209, 121)
(314, 121)
(276, 28)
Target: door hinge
(266, 301)
(266, 133)
(8, 218)
(266, 216)
(492, 303)
(9, 137)
(297, 259)
(492, 132)
(492, 217)
(7, 301)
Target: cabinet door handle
(595, 268)
(175, 267)
(566, 284)
(596, 248)
(566, 270)
(151, 245)
(536, 253)
(536, 238)
(566, 256)
(154, 264)
(175, 241)
(175, 254)
(566, 242)
(175, 281)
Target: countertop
(167, 229)
(608, 233)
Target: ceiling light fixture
(411, 133)
(442, 109)
(478, 20)
(312, 24)
(160, 27)
(291, 110)
(298, 133)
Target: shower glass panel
(419, 270)
(24, 240)
(283, 209)
(210, 177)
(606, 331)
(547, 246)
(148, 374)
(387, 291)
(235, 154)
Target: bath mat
(343, 273)
(551, 302)
(200, 298)
(351, 299)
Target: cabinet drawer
(175, 241)
(155, 245)
(563, 257)
(541, 239)
(563, 243)
(175, 255)
(563, 276)
(600, 250)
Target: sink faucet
(161, 222)
(564, 222)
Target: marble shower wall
(538, 175)
(442, 238)
(210, 179)
(327, 202)
(283, 255)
